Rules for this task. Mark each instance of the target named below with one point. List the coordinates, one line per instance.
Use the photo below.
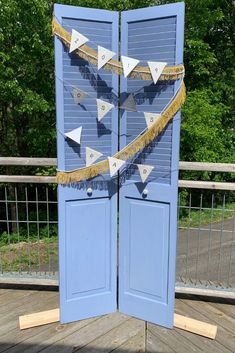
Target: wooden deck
(115, 333)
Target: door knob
(145, 192)
(89, 191)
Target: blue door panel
(82, 233)
(148, 222)
(146, 248)
(87, 220)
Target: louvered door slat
(87, 221)
(148, 221)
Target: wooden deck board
(134, 344)
(9, 319)
(226, 324)
(208, 345)
(115, 337)
(156, 345)
(171, 339)
(115, 333)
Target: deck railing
(206, 223)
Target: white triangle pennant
(104, 55)
(103, 108)
(144, 171)
(75, 134)
(79, 95)
(151, 118)
(77, 39)
(128, 64)
(156, 69)
(92, 156)
(114, 165)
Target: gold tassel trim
(140, 72)
(131, 149)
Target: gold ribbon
(140, 72)
(134, 147)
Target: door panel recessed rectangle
(88, 266)
(147, 252)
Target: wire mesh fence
(206, 237)
(28, 230)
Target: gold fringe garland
(131, 149)
(140, 72)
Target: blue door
(148, 211)
(87, 210)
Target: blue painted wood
(87, 223)
(148, 224)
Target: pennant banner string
(130, 97)
(132, 148)
(67, 83)
(181, 87)
(148, 116)
(142, 72)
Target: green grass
(204, 217)
(16, 257)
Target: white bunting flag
(114, 165)
(75, 134)
(77, 39)
(128, 64)
(151, 118)
(79, 95)
(92, 156)
(103, 108)
(156, 69)
(104, 55)
(144, 171)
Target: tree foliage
(27, 102)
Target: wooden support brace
(195, 326)
(185, 323)
(38, 319)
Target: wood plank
(85, 335)
(206, 185)
(198, 166)
(9, 320)
(195, 326)
(24, 161)
(38, 319)
(10, 335)
(19, 299)
(216, 316)
(172, 339)
(134, 344)
(224, 341)
(182, 183)
(26, 179)
(41, 337)
(114, 338)
(182, 322)
(204, 166)
(154, 344)
(30, 281)
(11, 296)
(205, 292)
(225, 307)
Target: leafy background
(27, 110)
(27, 94)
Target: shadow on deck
(115, 333)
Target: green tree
(208, 115)
(27, 102)
(27, 113)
